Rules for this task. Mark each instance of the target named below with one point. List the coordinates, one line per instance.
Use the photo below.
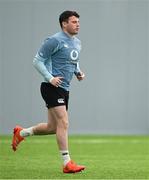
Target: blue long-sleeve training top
(59, 56)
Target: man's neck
(68, 34)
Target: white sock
(26, 132)
(65, 156)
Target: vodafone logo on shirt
(74, 55)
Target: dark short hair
(65, 16)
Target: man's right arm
(49, 46)
(38, 63)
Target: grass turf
(105, 157)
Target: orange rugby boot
(72, 167)
(16, 137)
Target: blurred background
(114, 97)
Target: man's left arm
(79, 74)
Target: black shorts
(54, 96)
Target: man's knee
(61, 117)
(51, 127)
(65, 124)
(62, 123)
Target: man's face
(72, 26)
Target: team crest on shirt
(66, 46)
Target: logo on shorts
(60, 100)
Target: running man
(57, 61)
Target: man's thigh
(58, 113)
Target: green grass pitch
(105, 157)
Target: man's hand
(80, 76)
(56, 81)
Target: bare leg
(57, 123)
(60, 116)
(46, 128)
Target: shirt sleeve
(77, 70)
(49, 46)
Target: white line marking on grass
(84, 141)
(108, 141)
(78, 179)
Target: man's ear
(64, 23)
